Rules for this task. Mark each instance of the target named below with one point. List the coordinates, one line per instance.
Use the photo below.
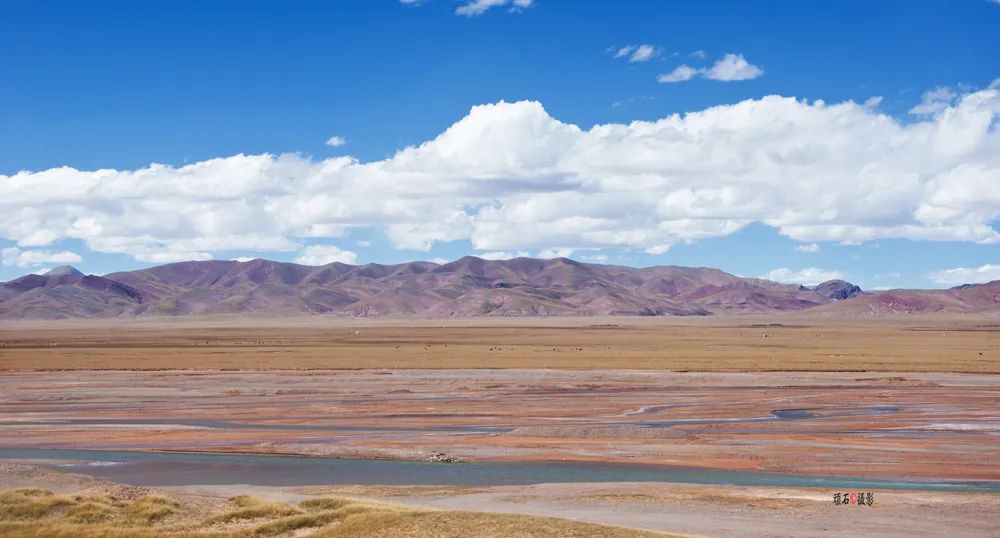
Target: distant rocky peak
(837, 290)
(64, 270)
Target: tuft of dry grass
(90, 512)
(294, 523)
(151, 509)
(252, 508)
(62, 530)
(244, 501)
(23, 504)
(25, 492)
(324, 503)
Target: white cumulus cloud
(509, 177)
(595, 258)
(966, 275)
(335, 141)
(624, 51)
(13, 256)
(811, 247)
(500, 255)
(680, 74)
(638, 53)
(934, 101)
(325, 254)
(472, 8)
(171, 256)
(561, 252)
(810, 276)
(731, 67)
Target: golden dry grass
(414, 524)
(918, 344)
(151, 509)
(34, 513)
(247, 507)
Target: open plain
(800, 342)
(694, 425)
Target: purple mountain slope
(66, 294)
(966, 299)
(466, 287)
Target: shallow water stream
(174, 469)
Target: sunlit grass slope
(39, 513)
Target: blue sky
(121, 85)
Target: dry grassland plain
(720, 344)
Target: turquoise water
(173, 469)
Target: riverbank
(686, 509)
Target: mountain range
(467, 287)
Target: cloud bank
(325, 254)
(16, 257)
(509, 177)
(966, 275)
